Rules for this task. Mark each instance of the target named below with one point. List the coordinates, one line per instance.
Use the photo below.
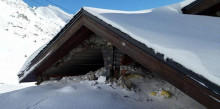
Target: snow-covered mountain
(24, 29)
(53, 13)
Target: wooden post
(42, 78)
(107, 52)
(117, 62)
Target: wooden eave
(84, 24)
(202, 7)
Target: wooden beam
(198, 7)
(69, 32)
(81, 34)
(64, 49)
(173, 76)
(212, 11)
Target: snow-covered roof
(192, 41)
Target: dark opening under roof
(203, 7)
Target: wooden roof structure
(203, 7)
(84, 24)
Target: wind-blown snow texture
(53, 13)
(74, 93)
(190, 40)
(23, 30)
(8, 88)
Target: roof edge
(175, 65)
(21, 73)
(190, 8)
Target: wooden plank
(60, 41)
(200, 7)
(88, 60)
(74, 40)
(173, 76)
(212, 11)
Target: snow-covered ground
(8, 88)
(80, 93)
(23, 30)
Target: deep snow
(8, 88)
(79, 93)
(191, 40)
(23, 30)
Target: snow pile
(23, 30)
(190, 40)
(80, 93)
(102, 79)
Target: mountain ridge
(23, 30)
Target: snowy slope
(8, 88)
(75, 93)
(53, 13)
(190, 40)
(23, 30)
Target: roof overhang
(203, 7)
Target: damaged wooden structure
(87, 43)
(91, 54)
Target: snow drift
(74, 92)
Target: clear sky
(72, 6)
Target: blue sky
(72, 6)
